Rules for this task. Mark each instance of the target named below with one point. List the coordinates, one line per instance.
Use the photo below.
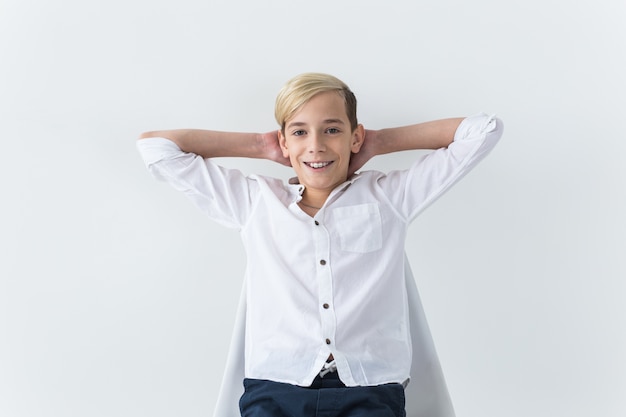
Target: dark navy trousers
(326, 397)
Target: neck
(313, 199)
(306, 205)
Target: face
(318, 140)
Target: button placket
(321, 239)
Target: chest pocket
(359, 227)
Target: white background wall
(117, 296)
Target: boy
(327, 320)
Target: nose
(316, 143)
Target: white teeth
(318, 164)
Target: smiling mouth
(318, 165)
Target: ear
(358, 136)
(282, 141)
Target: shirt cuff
(477, 124)
(153, 150)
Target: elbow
(147, 135)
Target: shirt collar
(297, 189)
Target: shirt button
(317, 223)
(326, 305)
(328, 341)
(322, 262)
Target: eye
(298, 132)
(333, 130)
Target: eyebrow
(333, 121)
(326, 121)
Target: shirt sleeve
(432, 175)
(225, 195)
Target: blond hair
(300, 89)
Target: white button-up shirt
(334, 283)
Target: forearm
(428, 135)
(211, 144)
